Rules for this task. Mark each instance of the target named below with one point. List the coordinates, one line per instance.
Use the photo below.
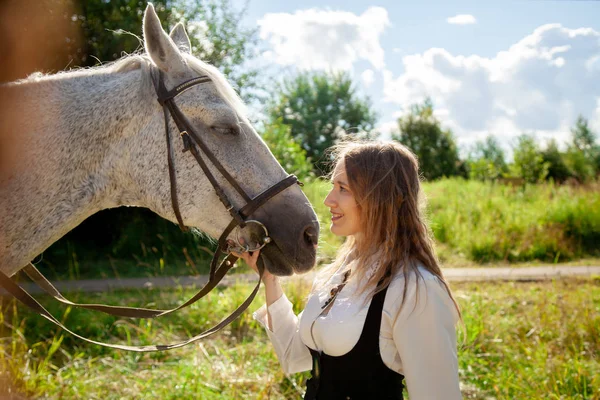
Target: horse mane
(142, 61)
(223, 87)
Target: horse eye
(226, 130)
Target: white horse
(77, 142)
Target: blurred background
(499, 101)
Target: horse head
(217, 115)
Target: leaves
(113, 29)
(320, 108)
(528, 161)
(286, 150)
(435, 148)
(486, 160)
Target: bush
(528, 161)
(287, 151)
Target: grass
(485, 222)
(531, 340)
(524, 341)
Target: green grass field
(523, 341)
(484, 223)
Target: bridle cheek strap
(172, 175)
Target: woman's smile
(345, 214)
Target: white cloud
(325, 39)
(368, 77)
(541, 84)
(386, 129)
(595, 120)
(462, 19)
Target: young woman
(381, 315)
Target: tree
(112, 29)
(286, 150)
(435, 148)
(583, 154)
(320, 108)
(557, 168)
(581, 168)
(584, 139)
(486, 160)
(528, 161)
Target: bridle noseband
(193, 142)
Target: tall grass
(531, 340)
(524, 341)
(485, 222)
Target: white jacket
(417, 341)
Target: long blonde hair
(384, 179)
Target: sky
(490, 67)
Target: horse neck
(68, 137)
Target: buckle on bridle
(257, 242)
(187, 141)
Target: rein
(192, 142)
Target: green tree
(486, 160)
(584, 139)
(320, 108)
(528, 161)
(113, 28)
(434, 147)
(583, 153)
(557, 168)
(286, 150)
(581, 167)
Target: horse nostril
(311, 235)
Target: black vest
(359, 374)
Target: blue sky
(499, 67)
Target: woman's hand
(273, 290)
(251, 258)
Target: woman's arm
(273, 292)
(425, 337)
(281, 324)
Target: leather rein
(191, 142)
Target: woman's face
(345, 214)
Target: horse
(80, 141)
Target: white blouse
(417, 340)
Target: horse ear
(181, 39)
(159, 46)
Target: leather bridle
(193, 142)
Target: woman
(382, 312)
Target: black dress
(359, 374)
